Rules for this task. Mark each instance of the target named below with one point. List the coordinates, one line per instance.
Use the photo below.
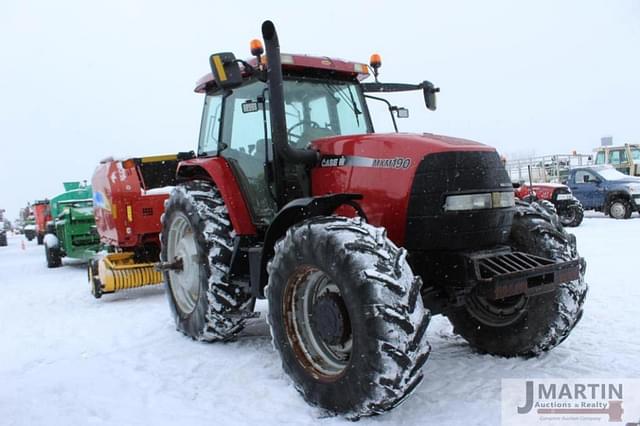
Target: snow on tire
(197, 230)
(346, 316)
(521, 326)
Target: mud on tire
(380, 347)
(537, 324)
(205, 304)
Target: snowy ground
(69, 359)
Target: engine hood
(392, 146)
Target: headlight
(633, 189)
(489, 200)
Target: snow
(67, 358)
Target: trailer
(128, 202)
(547, 168)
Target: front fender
(295, 212)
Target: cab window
(582, 176)
(615, 157)
(210, 125)
(600, 157)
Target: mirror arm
(391, 109)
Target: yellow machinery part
(119, 271)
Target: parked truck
(354, 238)
(603, 188)
(625, 158)
(3, 230)
(128, 201)
(71, 232)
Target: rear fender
(294, 212)
(217, 171)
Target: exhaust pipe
(276, 93)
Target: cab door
(588, 188)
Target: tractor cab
(322, 98)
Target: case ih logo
(569, 402)
(353, 161)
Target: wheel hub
(617, 210)
(330, 319)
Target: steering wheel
(295, 138)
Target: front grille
(438, 175)
(147, 211)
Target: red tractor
(354, 238)
(128, 201)
(555, 196)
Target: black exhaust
(276, 93)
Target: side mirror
(226, 71)
(430, 91)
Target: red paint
(42, 214)
(543, 191)
(222, 176)
(115, 188)
(386, 191)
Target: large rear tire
(52, 254)
(196, 229)
(521, 326)
(346, 316)
(3, 239)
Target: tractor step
(507, 273)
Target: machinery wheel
(40, 239)
(573, 215)
(3, 240)
(197, 232)
(94, 278)
(620, 209)
(521, 326)
(346, 316)
(52, 254)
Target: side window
(614, 157)
(210, 126)
(600, 157)
(584, 177)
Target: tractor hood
(393, 150)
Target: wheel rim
(568, 216)
(317, 323)
(496, 313)
(617, 210)
(181, 244)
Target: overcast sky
(82, 80)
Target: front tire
(196, 230)
(620, 209)
(346, 316)
(572, 215)
(521, 326)
(52, 254)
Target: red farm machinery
(355, 238)
(128, 200)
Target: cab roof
(297, 62)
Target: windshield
(612, 174)
(635, 153)
(316, 108)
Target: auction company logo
(570, 401)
